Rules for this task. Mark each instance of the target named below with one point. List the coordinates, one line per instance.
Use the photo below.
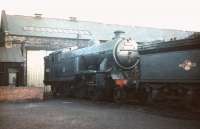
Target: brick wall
(20, 93)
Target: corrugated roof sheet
(11, 55)
(50, 27)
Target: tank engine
(93, 71)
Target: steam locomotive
(123, 70)
(93, 71)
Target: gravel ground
(76, 114)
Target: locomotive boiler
(93, 71)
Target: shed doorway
(35, 67)
(12, 77)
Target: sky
(168, 14)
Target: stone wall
(16, 94)
(44, 43)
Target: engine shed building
(36, 36)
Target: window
(56, 30)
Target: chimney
(74, 19)
(38, 15)
(119, 34)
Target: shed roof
(11, 55)
(63, 28)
